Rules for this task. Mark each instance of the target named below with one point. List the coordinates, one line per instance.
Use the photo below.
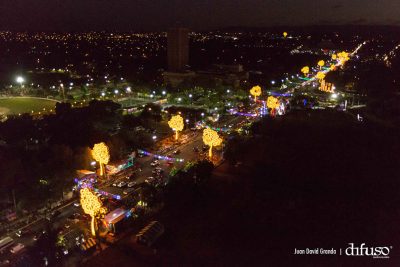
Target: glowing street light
(211, 138)
(20, 80)
(164, 93)
(101, 154)
(176, 124)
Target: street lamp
(20, 80)
(163, 92)
(272, 82)
(116, 91)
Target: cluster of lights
(160, 157)
(218, 129)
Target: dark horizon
(87, 15)
(277, 29)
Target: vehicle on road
(121, 184)
(149, 180)
(22, 232)
(154, 163)
(17, 248)
(6, 242)
(131, 184)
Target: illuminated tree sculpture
(273, 102)
(211, 138)
(320, 76)
(321, 63)
(255, 91)
(305, 70)
(176, 124)
(101, 154)
(343, 57)
(91, 205)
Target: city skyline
(200, 15)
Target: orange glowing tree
(211, 138)
(101, 154)
(255, 91)
(92, 206)
(305, 70)
(176, 124)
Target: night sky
(126, 15)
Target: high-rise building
(178, 49)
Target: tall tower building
(178, 49)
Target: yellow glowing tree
(255, 91)
(321, 63)
(285, 34)
(305, 70)
(333, 67)
(211, 138)
(176, 124)
(320, 76)
(273, 102)
(101, 154)
(343, 57)
(334, 57)
(91, 205)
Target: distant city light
(154, 137)
(103, 94)
(228, 91)
(272, 82)
(334, 96)
(116, 91)
(128, 89)
(190, 95)
(163, 92)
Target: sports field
(16, 105)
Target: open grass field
(16, 105)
